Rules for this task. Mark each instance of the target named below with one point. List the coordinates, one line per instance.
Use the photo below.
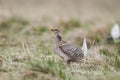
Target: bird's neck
(58, 38)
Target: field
(26, 52)
(26, 42)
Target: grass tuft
(9, 22)
(48, 67)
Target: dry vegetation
(26, 52)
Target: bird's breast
(60, 53)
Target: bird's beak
(52, 29)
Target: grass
(11, 21)
(112, 57)
(13, 25)
(69, 24)
(49, 67)
(31, 57)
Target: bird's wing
(73, 52)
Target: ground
(26, 52)
(26, 42)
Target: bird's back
(73, 52)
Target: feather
(84, 48)
(73, 52)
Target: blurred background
(34, 10)
(26, 42)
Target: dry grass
(28, 55)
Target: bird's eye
(52, 30)
(55, 29)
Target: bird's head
(55, 29)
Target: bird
(114, 35)
(68, 52)
(115, 31)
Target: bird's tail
(84, 48)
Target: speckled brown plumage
(66, 51)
